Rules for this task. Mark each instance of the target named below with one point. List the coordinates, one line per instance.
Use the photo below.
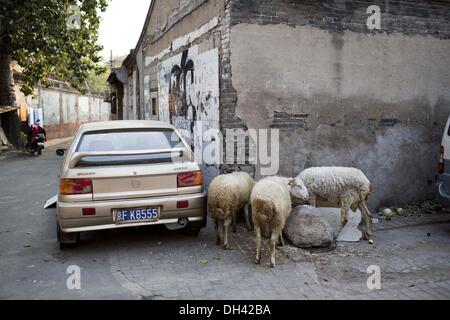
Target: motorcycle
(37, 145)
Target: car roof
(124, 124)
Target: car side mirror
(60, 152)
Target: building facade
(348, 83)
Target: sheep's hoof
(258, 261)
(368, 235)
(227, 246)
(272, 264)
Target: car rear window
(128, 140)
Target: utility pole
(111, 61)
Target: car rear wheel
(191, 231)
(67, 240)
(194, 227)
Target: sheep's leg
(216, 228)
(226, 226)
(234, 222)
(368, 219)
(344, 215)
(281, 240)
(312, 200)
(272, 242)
(258, 243)
(248, 218)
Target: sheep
(227, 195)
(271, 205)
(347, 187)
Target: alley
(154, 263)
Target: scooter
(37, 145)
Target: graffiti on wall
(188, 86)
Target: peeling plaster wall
(194, 99)
(376, 101)
(147, 98)
(193, 28)
(173, 19)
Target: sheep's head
(298, 190)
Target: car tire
(67, 240)
(191, 231)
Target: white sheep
(271, 205)
(227, 195)
(345, 187)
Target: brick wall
(407, 17)
(228, 96)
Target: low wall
(64, 109)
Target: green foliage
(98, 81)
(118, 60)
(45, 45)
(23, 137)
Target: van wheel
(67, 240)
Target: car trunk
(134, 185)
(125, 164)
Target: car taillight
(190, 179)
(88, 211)
(441, 161)
(75, 186)
(182, 204)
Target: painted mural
(188, 86)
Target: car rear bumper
(71, 219)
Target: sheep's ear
(292, 182)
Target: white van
(443, 177)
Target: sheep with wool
(227, 195)
(271, 204)
(346, 187)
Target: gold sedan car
(119, 174)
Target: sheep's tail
(217, 213)
(263, 209)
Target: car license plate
(136, 215)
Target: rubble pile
(412, 209)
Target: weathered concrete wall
(64, 110)
(343, 95)
(173, 19)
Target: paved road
(154, 263)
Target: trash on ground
(51, 203)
